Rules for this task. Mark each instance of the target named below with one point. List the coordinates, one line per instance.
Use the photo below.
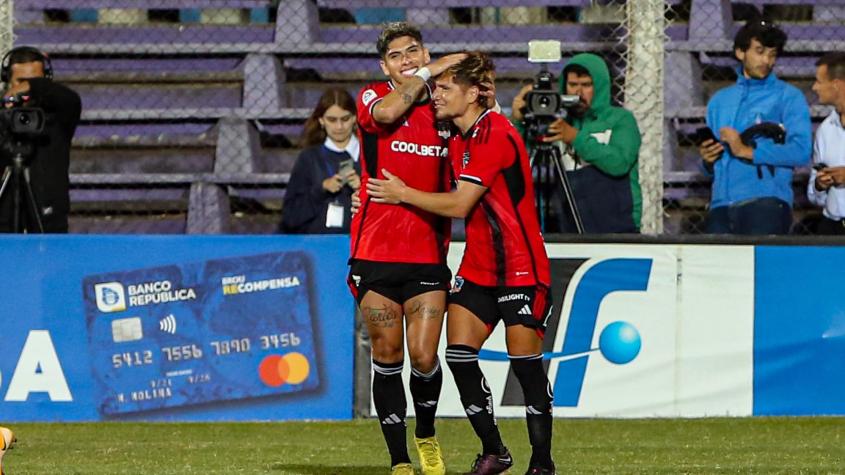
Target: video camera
(19, 124)
(544, 103)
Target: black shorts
(397, 281)
(527, 306)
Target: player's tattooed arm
(396, 104)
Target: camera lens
(544, 101)
(24, 119)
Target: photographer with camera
(603, 144)
(752, 169)
(27, 75)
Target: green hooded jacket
(608, 137)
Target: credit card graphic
(177, 335)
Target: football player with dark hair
(398, 271)
(504, 274)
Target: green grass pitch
(742, 445)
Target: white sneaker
(7, 440)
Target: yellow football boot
(431, 458)
(402, 469)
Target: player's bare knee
(387, 351)
(424, 361)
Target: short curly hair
(763, 31)
(477, 69)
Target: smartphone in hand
(703, 134)
(345, 169)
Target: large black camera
(24, 121)
(19, 125)
(544, 103)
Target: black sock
(538, 407)
(391, 407)
(475, 396)
(425, 390)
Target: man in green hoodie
(603, 143)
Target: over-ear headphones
(6, 64)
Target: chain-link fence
(700, 60)
(193, 109)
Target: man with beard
(600, 144)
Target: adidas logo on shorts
(525, 310)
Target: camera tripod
(15, 179)
(547, 167)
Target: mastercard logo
(276, 370)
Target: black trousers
(830, 227)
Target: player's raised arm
(407, 63)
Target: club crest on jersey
(465, 158)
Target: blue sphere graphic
(620, 342)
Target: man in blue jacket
(752, 179)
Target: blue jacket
(746, 103)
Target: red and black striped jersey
(504, 245)
(411, 149)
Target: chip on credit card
(194, 333)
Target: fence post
(7, 25)
(646, 25)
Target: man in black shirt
(27, 77)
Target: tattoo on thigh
(425, 312)
(407, 98)
(383, 317)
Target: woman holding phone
(318, 196)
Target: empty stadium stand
(193, 108)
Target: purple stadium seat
(427, 4)
(147, 4)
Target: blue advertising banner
(175, 328)
(799, 331)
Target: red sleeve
(367, 99)
(489, 153)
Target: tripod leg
(16, 200)
(539, 180)
(567, 190)
(7, 175)
(4, 187)
(32, 205)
